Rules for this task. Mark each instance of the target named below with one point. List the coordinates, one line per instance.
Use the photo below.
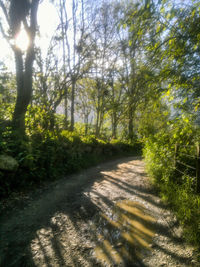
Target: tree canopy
(113, 74)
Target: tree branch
(4, 11)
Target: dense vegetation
(121, 73)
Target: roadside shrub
(159, 155)
(47, 155)
(186, 204)
(175, 188)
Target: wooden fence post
(198, 169)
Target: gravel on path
(108, 215)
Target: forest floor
(108, 215)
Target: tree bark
(62, 5)
(114, 125)
(66, 112)
(130, 117)
(130, 125)
(24, 87)
(72, 105)
(86, 119)
(24, 72)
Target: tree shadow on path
(39, 224)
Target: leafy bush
(176, 189)
(186, 204)
(47, 155)
(159, 154)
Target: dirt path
(106, 216)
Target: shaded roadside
(63, 226)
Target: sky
(47, 21)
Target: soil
(108, 215)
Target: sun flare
(22, 40)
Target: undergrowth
(177, 190)
(49, 155)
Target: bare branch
(3, 32)
(4, 11)
(7, 37)
(33, 25)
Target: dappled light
(50, 248)
(105, 215)
(124, 234)
(105, 83)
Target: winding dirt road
(108, 215)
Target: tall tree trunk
(114, 125)
(98, 110)
(24, 87)
(130, 112)
(66, 113)
(86, 119)
(130, 121)
(72, 105)
(130, 127)
(131, 96)
(74, 8)
(101, 121)
(62, 4)
(24, 69)
(97, 124)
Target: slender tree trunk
(130, 121)
(72, 105)
(86, 123)
(131, 97)
(66, 112)
(130, 113)
(62, 3)
(114, 125)
(97, 123)
(98, 110)
(101, 121)
(130, 127)
(74, 63)
(52, 121)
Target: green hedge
(178, 190)
(48, 156)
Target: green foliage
(142, 81)
(175, 188)
(187, 207)
(48, 155)
(7, 93)
(40, 118)
(154, 156)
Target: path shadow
(68, 199)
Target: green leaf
(167, 93)
(124, 26)
(193, 13)
(158, 28)
(162, 11)
(170, 42)
(168, 16)
(185, 100)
